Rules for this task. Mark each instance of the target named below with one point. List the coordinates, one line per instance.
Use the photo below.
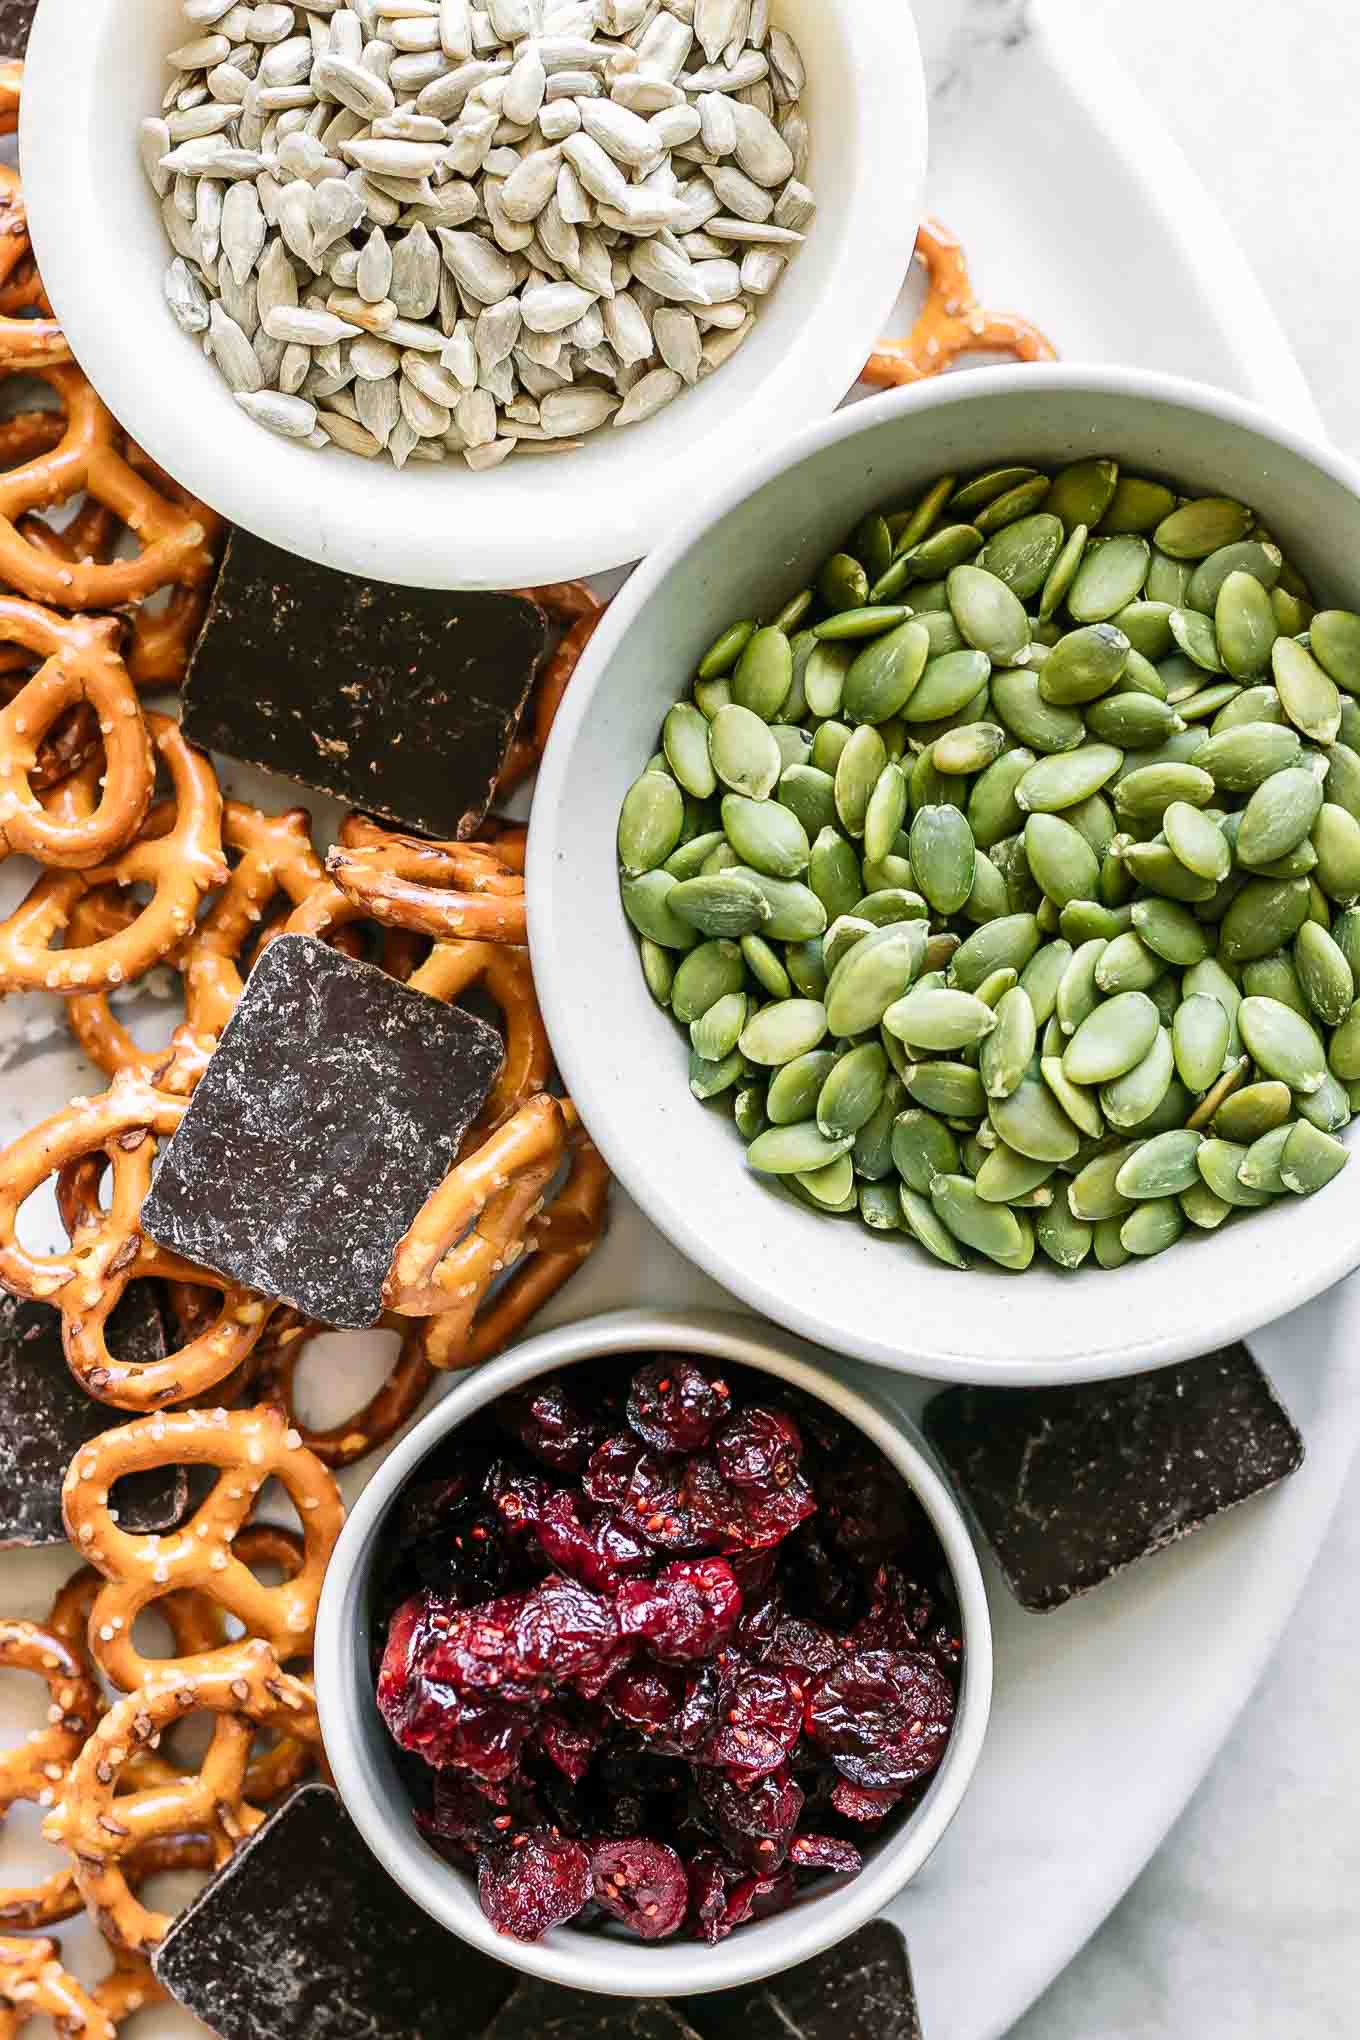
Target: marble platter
(1078, 211)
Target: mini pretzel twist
(179, 866)
(381, 1417)
(24, 343)
(576, 606)
(176, 540)
(551, 1247)
(80, 665)
(250, 1447)
(34, 1769)
(951, 322)
(274, 857)
(34, 1985)
(447, 890)
(104, 1829)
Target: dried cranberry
(600, 1553)
(570, 1740)
(724, 1897)
(755, 1818)
(770, 1517)
(824, 1852)
(673, 1405)
(862, 1802)
(642, 1883)
(901, 1612)
(434, 1720)
(549, 1424)
(868, 1506)
(562, 1631)
(645, 1696)
(693, 1722)
(589, 1683)
(657, 1506)
(754, 1570)
(532, 1883)
(759, 1449)
(817, 1581)
(805, 1646)
(760, 1717)
(946, 1647)
(761, 1616)
(428, 1506)
(611, 1469)
(458, 1821)
(518, 1498)
(688, 1611)
(882, 1716)
(473, 1650)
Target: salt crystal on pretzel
(33, 1985)
(34, 1768)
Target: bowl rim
(550, 933)
(257, 480)
(597, 1963)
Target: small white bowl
(361, 1752)
(96, 68)
(744, 552)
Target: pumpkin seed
(872, 1152)
(1202, 527)
(991, 1229)
(833, 1188)
(748, 1112)
(1160, 1167)
(1253, 1110)
(647, 903)
(1196, 841)
(834, 873)
(1109, 578)
(1110, 1251)
(809, 794)
(857, 774)
(1324, 974)
(1065, 1240)
(650, 822)
(763, 674)
(1006, 1052)
(990, 616)
(1083, 492)
(929, 1231)
(1336, 839)
(853, 1090)
(1282, 1043)
(885, 813)
(1311, 1159)
(1031, 1121)
(1328, 1108)
(1062, 862)
(684, 738)
(843, 583)
(764, 965)
(824, 678)
(1081, 1106)
(1334, 640)
(880, 1207)
(840, 938)
(1260, 1169)
(1134, 721)
(723, 653)
(1009, 508)
(1137, 505)
(922, 1148)
(1153, 1227)
(1043, 725)
(893, 903)
(881, 679)
(1308, 694)
(1199, 1040)
(795, 912)
(1147, 626)
(1274, 977)
(1005, 944)
(1084, 664)
(766, 835)
(943, 857)
(1171, 932)
(710, 696)
(714, 1035)
(1244, 626)
(970, 749)
(1128, 1100)
(796, 1086)
(1023, 553)
(1112, 1040)
(939, 1020)
(1195, 636)
(744, 753)
(794, 1150)
(947, 686)
(712, 1079)
(1043, 975)
(878, 971)
(1239, 758)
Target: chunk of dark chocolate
(403, 701)
(16, 24)
(46, 1416)
(859, 1990)
(336, 1101)
(1070, 1485)
(544, 2011)
(302, 1935)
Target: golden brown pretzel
(249, 1446)
(576, 606)
(34, 1769)
(449, 972)
(179, 866)
(24, 343)
(80, 665)
(951, 322)
(273, 857)
(34, 1985)
(447, 890)
(343, 1444)
(103, 1829)
(131, 1984)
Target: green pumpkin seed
(1062, 862)
(795, 912)
(1081, 1106)
(1063, 571)
(745, 755)
(878, 971)
(1134, 721)
(1259, 561)
(880, 1207)
(1005, 1175)
(938, 1021)
(1043, 725)
(650, 822)
(1145, 793)
(1308, 694)
(1336, 838)
(1109, 578)
(1282, 1043)
(1346, 934)
(1260, 1168)
(714, 1035)
(1023, 554)
(855, 624)
(1160, 1167)
(707, 974)
(1055, 783)
(1147, 626)
(990, 616)
(872, 1152)
(1274, 977)
(1171, 932)
(1324, 974)
(1031, 1121)
(1043, 975)
(793, 612)
(994, 988)
(1329, 1108)
(1335, 643)
(684, 736)
(1014, 504)
(658, 971)
(1153, 1227)
(765, 967)
(892, 903)
(833, 1188)
(922, 1148)
(834, 873)
(794, 1150)
(1219, 1162)
(1084, 664)
(1253, 704)
(857, 774)
(764, 674)
(1264, 916)
(991, 1229)
(1278, 816)
(1007, 1051)
(1203, 527)
(1196, 841)
(952, 1089)
(1109, 1248)
(781, 1032)
(723, 653)
(1092, 1195)
(1064, 1240)
(727, 904)
(1199, 1041)
(1157, 867)
(647, 903)
(824, 678)
(1007, 944)
(1168, 579)
(853, 1091)
(1343, 1054)
(1129, 1100)
(809, 794)
(1112, 1040)
(1078, 994)
(986, 487)
(806, 969)
(970, 749)
(993, 810)
(1093, 819)
(766, 835)
(843, 583)
(748, 1112)
(1311, 1159)
(929, 1231)
(712, 1079)
(946, 686)
(1137, 505)
(1244, 626)
(885, 813)
(882, 678)
(840, 938)
(796, 1086)
(1083, 492)
(1195, 636)
(711, 695)
(1342, 784)
(1240, 758)
(909, 528)
(1128, 965)
(872, 544)
(1253, 1110)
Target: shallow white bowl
(95, 69)
(361, 1752)
(744, 552)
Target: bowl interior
(93, 74)
(363, 1753)
(623, 1059)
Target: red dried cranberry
(755, 1570)
(570, 1740)
(644, 1696)
(549, 1424)
(673, 1405)
(806, 1647)
(946, 1647)
(862, 1802)
(817, 1581)
(590, 1683)
(761, 1616)
(518, 1498)
(458, 1821)
(429, 1505)
(756, 1898)
(532, 1883)
(688, 1611)
(430, 1718)
(642, 1883)
(692, 1724)
(760, 1717)
(474, 1650)
(770, 1517)
(901, 1612)
(882, 1716)
(562, 1631)
(824, 1852)
(760, 1450)
(600, 1554)
(868, 1506)
(724, 1897)
(611, 1469)
(755, 1818)
(657, 1507)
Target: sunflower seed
(289, 417)
(233, 353)
(186, 297)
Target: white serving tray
(1108, 1712)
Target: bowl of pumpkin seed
(947, 871)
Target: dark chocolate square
(302, 1935)
(46, 1416)
(16, 25)
(403, 701)
(1070, 1485)
(336, 1101)
(859, 1990)
(544, 2011)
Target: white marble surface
(1242, 1928)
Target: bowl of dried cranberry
(657, 1658)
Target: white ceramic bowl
(744, 552)
(361, 1752)
(95, 69)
